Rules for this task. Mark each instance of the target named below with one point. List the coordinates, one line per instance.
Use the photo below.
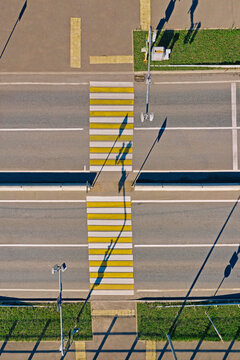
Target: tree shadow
(175, 322)
(160, 132)
(121, 129)
(18, 19)
(168, 13)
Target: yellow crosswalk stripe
(111, 89)
(109, 228)
(108, 204)
(111, 263)
(109, 240)
(111, 275)
(106, 150)
(112, 252)
(110, 162)
(109, 216)
(110, 126)
(112, 286)
(111, 138)
(111, 113)
(111, 102)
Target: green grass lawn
(200, 47)
(154, 323)
(32, 324)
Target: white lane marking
(109, 269)
(185, 201)
(111, 168)
(42, 201)
(194, 82)
(109, 210)
(42, 171)
(113, 292)
(185, 290)
(43, 245)
(115, 234)
(111, 120)
(116, 96)
(109, 222)
(234, 125)
(43, 83)
(110, 108)
(106, 245)
(113, 280)
(108, 198)
(115, 156)
(39, 129)
(111, 84)
(110, 257)
(183, 245)
(111, 132)
(45, 290)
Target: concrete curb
(187, 187)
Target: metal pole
(149, 74)
(171, 346)
(219, 335)
(60, 301)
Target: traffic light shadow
(39, 339)
(121, 129)
(168, 13)
(194, 27)
(159, 135)
(18, 19)
(175, 322)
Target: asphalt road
(198, 133)
(171, 243)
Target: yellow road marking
(118, 59)
(151, 350)
(111, 102)
(75, 42)
(110, 162)
(111, 137)
(109, 228)
(106, 204)
(111, 89)
(118, 312)
(107, 150)
(109, 240)
(112, 286)
(110, 126)
(109, 216)
(80, 350)
(111, 263)
(111, 275)
(111, 113)
(112, 252)
(145, 14)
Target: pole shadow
(39, 339)
(121, 129)
(160, 133)
(8, 336)
(105, 337)
(174, 324)
(18, 20)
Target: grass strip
(154, 322)
(43, 323)
(190, 47)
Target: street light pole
(147, 115)
(59, 269)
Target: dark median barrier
(58, 180)
(188, 180)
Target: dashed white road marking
(234, 124)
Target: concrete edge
(186, 187)
(44, 188)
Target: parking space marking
(234, 125)
(75, 42)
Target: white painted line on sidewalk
(41, 201)
(43, 83)
(109, 222)
(183, 245)
(195, 82)
(184, 201)
(44, 245)
(44, 290)
(234, 124)
(190, 128)
(39, 129)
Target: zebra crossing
(110, 245)
(111, 125)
